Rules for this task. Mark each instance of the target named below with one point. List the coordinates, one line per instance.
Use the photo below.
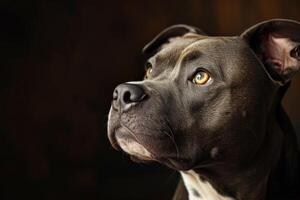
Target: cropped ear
(173, 31)
(277, 44)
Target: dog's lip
(133, 147)
(173, 162)
(113, 140)
(121, 133)
(115, 144)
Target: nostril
(127, 97)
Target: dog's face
(203, 100)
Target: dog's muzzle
(125, 96)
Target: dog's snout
(126, 94)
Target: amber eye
(148, 70)
(201, 78)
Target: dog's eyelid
(202, 69)
(150, 63)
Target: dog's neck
(276, 161)
(199, 188)
(222, 182)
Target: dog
(210, 107)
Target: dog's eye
(148, 69)
(201, 78)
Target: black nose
(126, 94)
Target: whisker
(174, 143)
(172, 137)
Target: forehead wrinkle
(184, 53)
(189, 51)
(194, 48)
(191, 55)
(172, 50)
(167, 56)
(195, 44)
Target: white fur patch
(134, 148)
(204, 189)
(214, 152)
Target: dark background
(60, 61)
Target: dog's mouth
(144, 144)
(124, 140)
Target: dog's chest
(200, 190)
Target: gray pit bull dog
(210, 107)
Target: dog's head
(204, 99)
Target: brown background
(60, 61)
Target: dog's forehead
(225, 51)
(230, 57)
(172, 50)
(180, 45)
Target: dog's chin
(177, 164)
(141, 160)
(137, 151)
(139, 154)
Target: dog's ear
(277, 44)
(173, 31)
